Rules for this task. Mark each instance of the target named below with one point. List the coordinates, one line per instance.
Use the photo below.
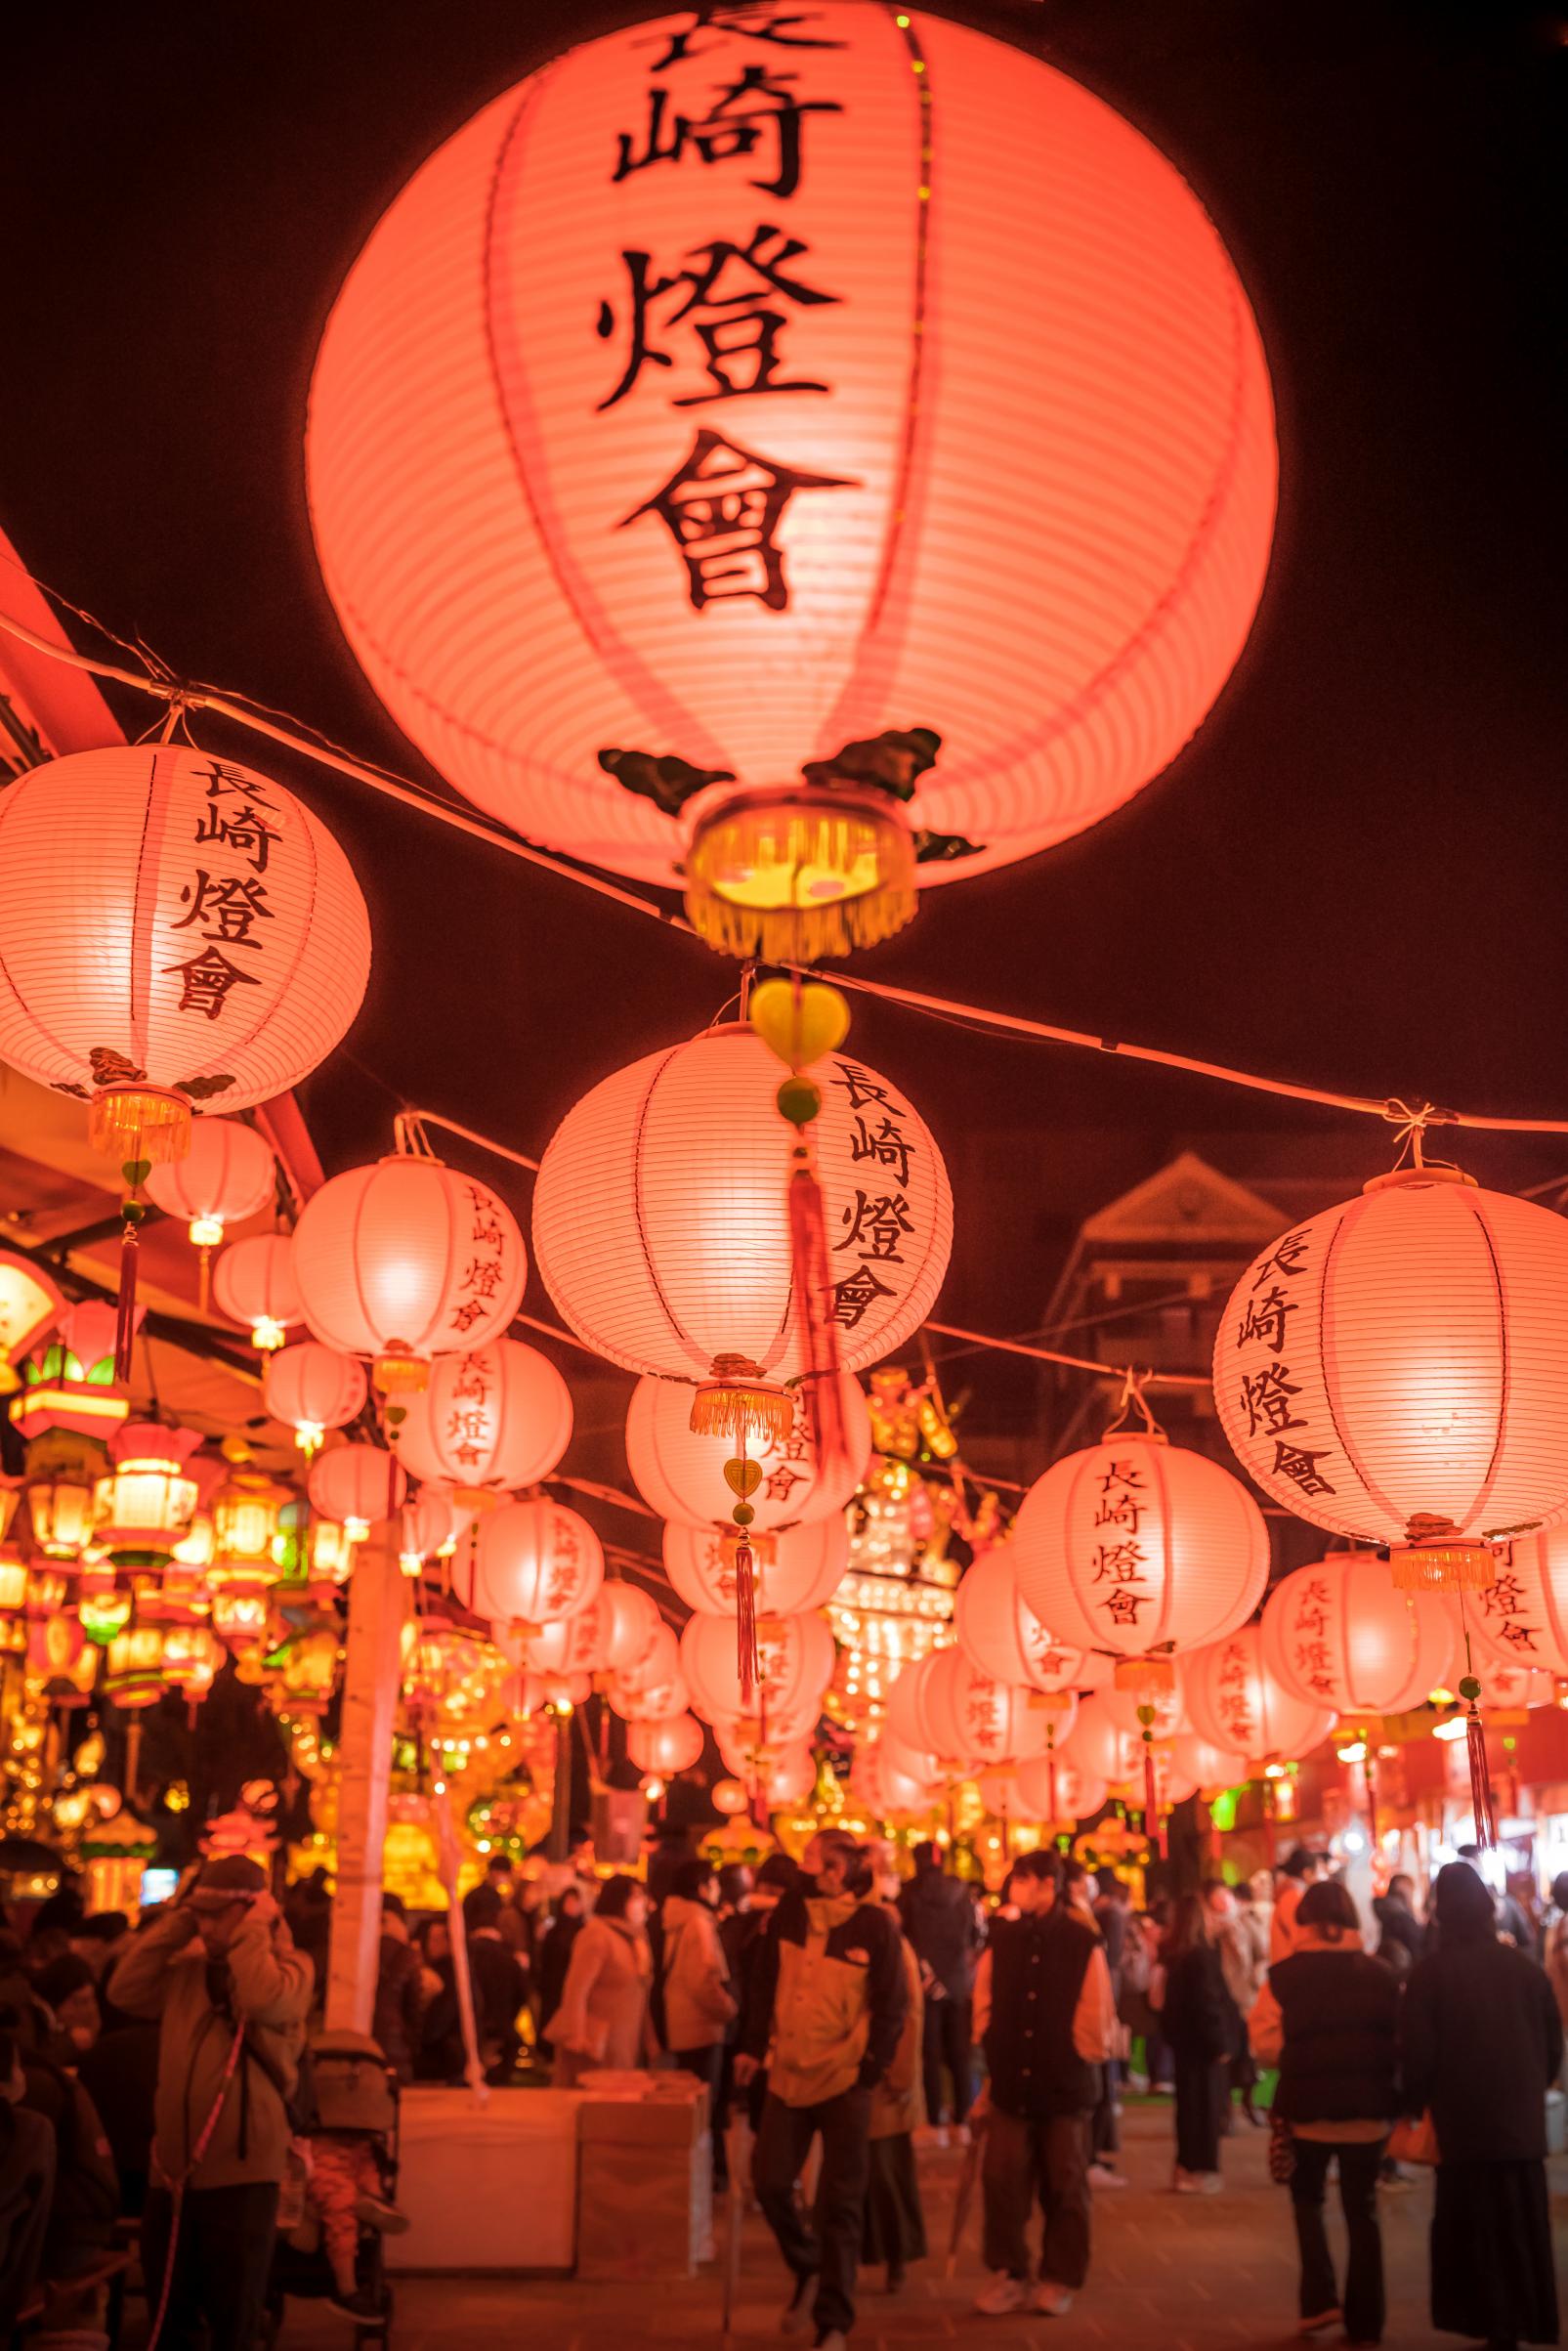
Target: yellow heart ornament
(799, 1024)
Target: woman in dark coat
(1203, 2026)
(1480, 2043)
(555, 1957)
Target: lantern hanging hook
(1132, 1399)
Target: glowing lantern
(311, 1388)
(102, 1606)
(1057, 584)
(57, 1645)
(178, 931)
(1101, 1747)
(1339, 1633)
(1236, 1701)
(60, 1490)
(1395, 1369)
(244, 1516)
(228, 1175)
(730, 1797)
(428, 1528)
(133, 1667)
(616, 1631)
(662, 1222)
(497, 1418)
(310, 1667)
(654, 1685)
(882, 1784)
(531, 1562)
(142, 1509)
(28, 1303)
(1523, 1620)
(679, 1470)
(1207, 1765)
(797, 1570)
(1140, 1547)
(780, 1776)
(358, 1484)
(1001, 1634)
(255, 1283)
(1169, 1708)
(946, 1706)
(70, 1383)
(1055, 1787)
(665, 1747)
(794, 1666)
(192, 1656)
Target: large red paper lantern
(1001, 1635)
(797, 1570)
(1523, 1619)
(358, 1484)
(228, 1174)
(665, 1748)
(1397, 1369)
(662, 1221)
(1236, 1700)
(178, 931)
(499, 1418)
(255, 1284)
(1140, 1547)
(1339, 1633)
(794, 1666)
(311, 1388)
(530, 1562)
(770, 390)
(679, 1470)
(406, 1259)
(944, 1705)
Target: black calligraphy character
(1119, 1563)
(855, 1296)
(1506, 1597)
(229, 901)
(205, 981)
(1267, 1399)
(1121, 1606)
(1301, 1466)
(1264, 1318)
(862, 1088)
(1285, 1259)
(750, 110)
(770, 25)
(781, 1482)
(878, 1226)
(1518, 1634)
(735, 322)
(245, 828)
(722, 508)
(887, 1147)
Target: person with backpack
(218, 1968)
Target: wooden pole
(561, 1817)
(377, 1603)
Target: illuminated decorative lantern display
(701, 380)
(133, 1667)
(662, 1221)
(228, 1174)
(797, 1570)
(781, 1775)
(530, 1562)
(255, 1283)
(884, 1787)
(144, 1506)
(1340, 1634)
(358, 1484)
(311, 1388)
(1236, 1701)
(1140, 1547)
(1523, 1619)
(665, 1747)
(69, 1383)
(1395, 1369)
(29, 1306)
(178, 932)
(729, 1797)
(679, 1470)
(499, 1417)
(406, 1259)
(1001, 1634)
(946, 1706)
(1056, 1787)
(795, 1664)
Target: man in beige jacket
(218, 1968)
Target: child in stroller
(335, 2247)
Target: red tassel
(745, 1618)
(1056, 1809)
(813, 1284)
(125, 1320)
(1151, 1802)
(1486, 1826)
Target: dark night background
(1353, 876)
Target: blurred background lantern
(1339, 1633)
(1001, 1634)
(311, 1388)
(1102, 1749)
(533, 1562)
(62, 1470)
(1168, 1706)
(1395, 1368)
(679, 1470)
(358, 1484)
(780, 1773)
(1140, 1547)
(948, 1706)
(880, 1782)
(1204, 1763)
(68, 1383)
(1057, 1789)
(654, 1685)
(427, 1529)
(227, 1174)
(254, 1285)
(795, 1665)
(405, 1259)
(615, 1633)
(1056, 586)
(29, 1306)
(797, 1570)
(665, 1747)
(133, 1667)
(144, 1505)
(1523, 1620)
(179, 930)
(729, 1797)
(498, 1417)
(1235, 1699)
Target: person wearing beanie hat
(219, 1970)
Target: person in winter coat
(219, 1968)
(827, 2017)
(1327, 2018)
(555, 1957)
(1298, 1870)
(397, 2021)
(27, 2185)
(698, 2000)
(895, 2222)
(1244, 1960)
(1199, 2021)
(604, 2019)
(1402, 1939)
(939, 1918)
(1557, 1943)
(1480, 2043)
(1047, 2017)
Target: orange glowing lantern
(944, 1705)
(665, 1747)
(1395, 1369)
(358, 1485)
(615, 1633)
(133, 1667)
(533, 1562)
(1340, 1634)
(1204, 1763)
(28, 1304)
(311, 1388)
(1236, 1701)
(1523, 1620)
(655, 1685)
(679, 1470)
(798, 1569)
(192, 1657)
(497, 1418)
(1001, 1634)
(255, 1284)
(730, 1797)
(228, 1174)
(1142, 1549)
(1055, 1788)
(69, 1383)
(794, 1666)
(145, 1505)
(885, 1787)
(1167, 1707)
(179, 930)
(1102, 1747)
(428, 1528)
(779, 1775)
(534, 423)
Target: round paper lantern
(360, 1484)
(178, 932)
(879, 1783)
(654, 1685)
(1515, 1687)
(28, 1304)
(797, 1570)
(730, 1797)
(311, 1388)
(1169, 1707)
(679, 1470)
(228, 1174)
(498, 1417)
(774, 391)
(1001, 1634)
(1396, 1368)
(794, 1666)
(1140, 1547)
(662, 1220)
(1102, 1747)
(254, 1283)
(946, 1706)
(530, 1562)
(1339, 1633)
(406, 1259)
(1207, 1765)
(428, 1527)
(1235, 1700)
(665, 1747)
(1053, 1787)
(1523, 1619)
(616, 1631)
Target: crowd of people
(161, 2071)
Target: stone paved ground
(1183, 2274)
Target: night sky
(1353, 876)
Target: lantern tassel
(1151, 1802)
(1486, 1826)
(125, 1318)
(813, 1281)
(745, 1618)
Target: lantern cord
(1085, 1363)
(409, 1129)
